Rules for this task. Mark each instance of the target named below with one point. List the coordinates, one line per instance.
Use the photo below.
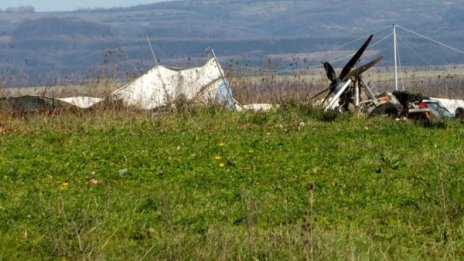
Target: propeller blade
(329, 70)
(319, 93)
(358, 71)
(355, 58)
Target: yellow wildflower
(64, 185)
(222, 144)
(218, 157)
(221, 165)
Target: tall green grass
(209, 184)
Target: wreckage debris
(29, 103)
(163, 87)
(345, 95)
(160, 87)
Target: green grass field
(208, 184)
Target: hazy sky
(69, 5)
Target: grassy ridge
(211, 184)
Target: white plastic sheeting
(259, 107)
(162, 86)
(450, 104)
(83, 102)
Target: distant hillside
(51, 27)
(73, 46)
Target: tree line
(18, 10)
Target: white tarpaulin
(81, 101)
(162, 86)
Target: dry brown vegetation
(264, 86)
(299, 87)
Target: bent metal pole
(395, 55)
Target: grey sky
(69, 5)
